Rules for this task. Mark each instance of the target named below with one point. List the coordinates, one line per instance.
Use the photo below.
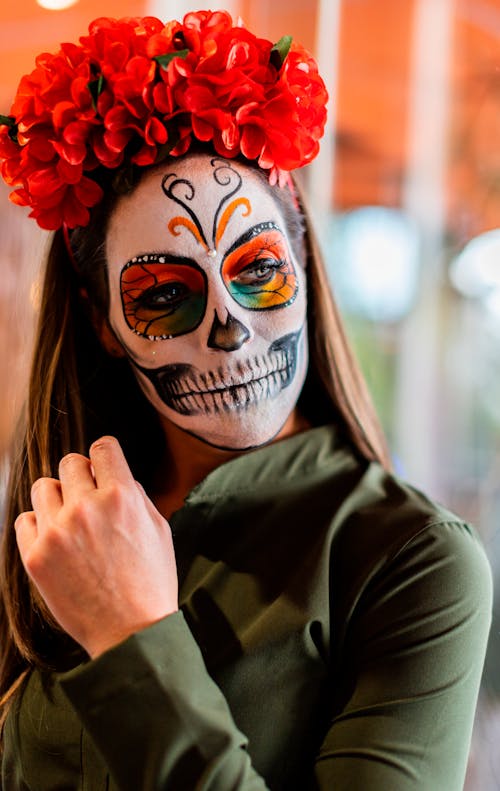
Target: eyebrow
(159, 258)
(252, 232)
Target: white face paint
(209, 301)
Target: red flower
(8, 148)
(169, 39)
(135, 89)
(55, 202)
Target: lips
(188, 392)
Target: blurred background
(406, 198)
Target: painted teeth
(224, 399)
(216, 392)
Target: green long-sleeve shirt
(332, 635)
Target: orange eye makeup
(162, 297)
(258, 271)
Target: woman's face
(208, 300)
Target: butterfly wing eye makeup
(162, 299)
(259, 273)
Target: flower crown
(136, 91)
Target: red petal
(41, 148)
(72, 154)
(20, 197)
(145, 156)
(70, 174)
(88, 192)
(62, 114)
(76, 132)
(43, 182)
(155, 132)
(252, 141)
(48, 219)
(201, 129)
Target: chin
(240, 416)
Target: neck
(189, 460)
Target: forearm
(157, 717)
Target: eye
(163, 299)
(262, 271)
(259, 274)
(167, 295)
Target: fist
(97, 549)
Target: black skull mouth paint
(188, 392)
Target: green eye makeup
(163, 296)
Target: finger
(109, 463)
(46, 497)
(26, 531)
(76, 477)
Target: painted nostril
(229, 336)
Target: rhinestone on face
(211, 253)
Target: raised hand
(97, 549)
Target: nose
(229, 336)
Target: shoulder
(399, 558)
(390, 516)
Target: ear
(100, 323)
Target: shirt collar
(274, 466)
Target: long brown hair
(77, 393)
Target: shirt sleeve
(415, 646)
(411, 669)
(157, 717)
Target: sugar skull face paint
(208, 300)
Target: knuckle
(76, 513)
(117, 493)
(52, 537)
(21, 520)
(34, 563)
(39, 556)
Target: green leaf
(164, 60)
(96, 87)
(164, 151)
(7, 120)
(280, 51)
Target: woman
(229, 590)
